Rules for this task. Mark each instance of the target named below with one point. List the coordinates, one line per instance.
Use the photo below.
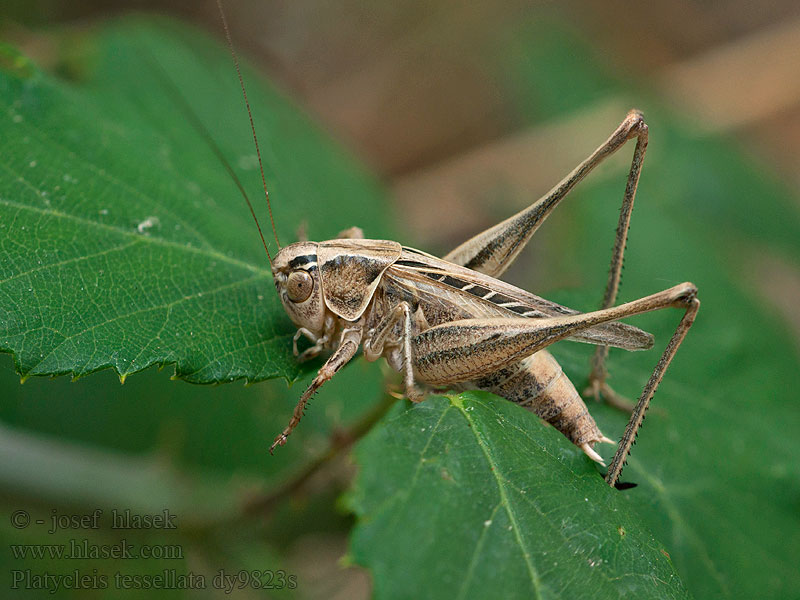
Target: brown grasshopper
(451, 323)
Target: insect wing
(489, 297)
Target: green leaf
(124, 242)
(472, 495)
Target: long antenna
(252, 125)
(201, 129)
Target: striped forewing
(485, 297)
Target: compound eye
(299, 286)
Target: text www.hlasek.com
(83, 549)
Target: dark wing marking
(350, 272)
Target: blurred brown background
(410, 85)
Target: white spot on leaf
(147, 224)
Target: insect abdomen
(538, 383)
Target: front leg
(320, 343)
(348, 346)
(312, 352)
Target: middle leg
(385, 335)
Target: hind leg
(597, 386)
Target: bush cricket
(451, 323)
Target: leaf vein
(67, 261)
(504, 499)
(142, 238)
